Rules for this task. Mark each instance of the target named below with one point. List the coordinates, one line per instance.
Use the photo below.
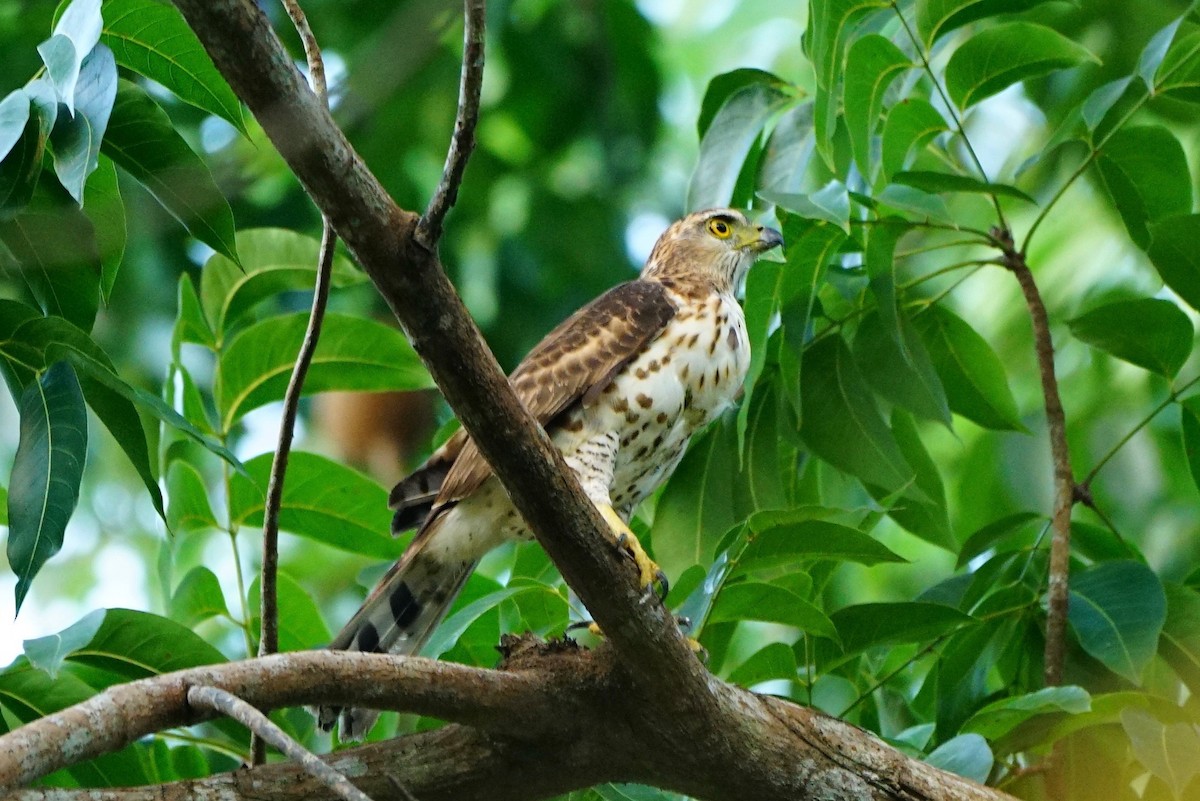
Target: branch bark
(550, 719)
(642, 708)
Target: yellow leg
(648, 572)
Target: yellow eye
(719, 228)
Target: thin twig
(429, 228)
(1174, 396)
(937, 85)
(1064, 480)
(230, 705)
(268, 642)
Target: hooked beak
(759, 239)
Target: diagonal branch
(410, 278)
(226, 703)
(429, 229)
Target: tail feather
(397, 618)
(413, 497)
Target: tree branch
(268, 641)
(410, 278)
(429, 228)
(495, 701)
(552, 718)
(226, 703)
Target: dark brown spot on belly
(662, 418)
(733, 338)
(620, 405)
(645, 401)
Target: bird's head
(716, 245)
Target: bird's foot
(649, 574)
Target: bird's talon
(648, 573)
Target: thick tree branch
(552, 718)
(462, 142)
(226, 703)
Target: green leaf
(938, 182)
(839, 420)
(74, 37)
(830, 203)
(48, 653)
(1180, 642)
(971, 372)
(830, 24)
(868, 625)
(152, 39)
(1001, 55)
(273, 260)
(728, 141)
(1152, 54)
(75, 140)
(872, 64)
(1146, 173)
(911, 123)
(3, 506)
(938, 17)
(776, 539)
(967, 755)
(354, 354)
(1174, 254)
(20, 168)
(56, 255)
(135, 645)
(1000, 717)
(1101, 100)
(902, 374)
(198, 598)
(323, 501)
(142, 141)
(1117, 610)
(103, 206)
(696, 506)
(985, 537)
(102, 374)
(790, 289)
(1169, 751)
(14, 114)
(723, 86)
(456, 625)
(920, 206)
(187, 500)
(53, 339)
(191, 324)
(1179, 74)
(1153, 334)
(775, 661)
(301, 625)
(48, 467)
(754, 600)
(925, 518)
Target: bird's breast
(682, 380)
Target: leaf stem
(1171, 398)
(950, 108)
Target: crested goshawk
(620, 387)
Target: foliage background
(588, 144)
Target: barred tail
(398, 617)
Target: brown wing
(413, 496)
(573, 364)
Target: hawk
(620, 387)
